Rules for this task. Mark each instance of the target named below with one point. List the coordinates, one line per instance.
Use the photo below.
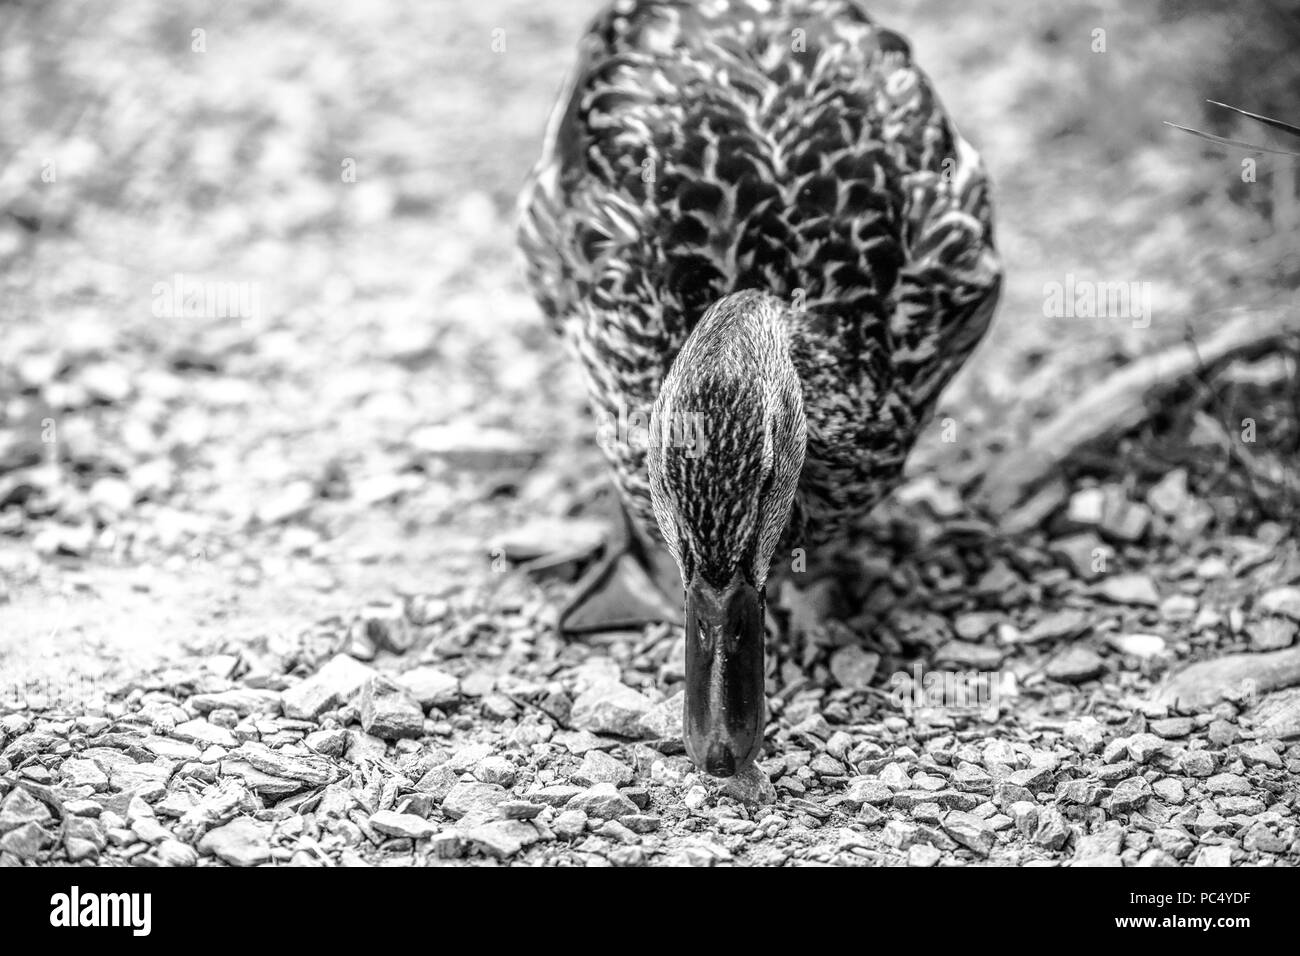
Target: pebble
(1261, 755)
(1052, 832)
(496, 769)
(473, 797)
(1172, 728)
(1130, 795)
(970, 831)
(1142, 646)
(1229, 784)
(1169, 790)
(387, 711)
(430, 686)
(1272, 633)
(1075, 665)
(1135, 589)
(1284, 601)
(334, 684)
(853, 667)
(391, 823)
(922, 854)
(241, 842)
(609, 707)
(600, 767)
(602, 801)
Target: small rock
(853, 667)
(922, 854)
(602, 801)
(241, 842)
(388, 711)
(569, 825)
(1169, 790)
(751, 787)
(496, 769)
(430, 686)
(1053, 832)
(1198, 763)
(1284, 601)
(391, 823)
(1272, 633)
(474, 797)
(1261, 755)
(609, 707)
(1130, 795)
(25, 842)
(1229, 784)
(501, 839)
(332, 685)
(600, 767)
(1075, 665)
(21, 808)
(1138, 589)
(1138, 645)
(1171, 728)
(970, 831)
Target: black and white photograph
(650, 433)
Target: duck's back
(700, 148)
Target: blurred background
(384, 401)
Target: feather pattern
(788, 146)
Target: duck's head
(724, 462)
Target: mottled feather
(701, 148)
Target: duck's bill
(725, 704)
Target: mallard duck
(760, 234)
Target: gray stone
(1284, 601)
(603, 801)
(437, 782)
(570, 824)
(1229, 784)
(1138, 589)
(609, 707)
(923, 855)
(334, 684)
(241, 842)
(1172, 728)
(1130, 795)
(1272, 633)
(866, 790)
(1053, 832)
(204, 733)
(388, 711)
(314, 771)
(394, 824)
(21, 808)
(430, 686)
(1075, 665)
(853, 667)
(751, 787)
(970, 831)
(1261, 755)
(600, 767)
(25, 842)
(496, 769)
(473, 797)
(501, 839)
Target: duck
(768, 247)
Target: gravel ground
(282, 588)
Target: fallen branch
(1120, 402)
